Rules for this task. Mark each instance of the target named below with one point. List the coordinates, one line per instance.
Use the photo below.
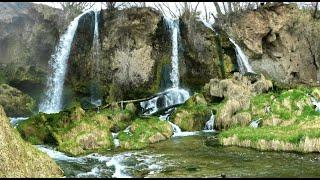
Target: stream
(190, 156)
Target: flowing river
(191, 156)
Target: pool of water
(191, 156)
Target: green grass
(293, 133)
(143, 130)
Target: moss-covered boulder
(74, 131)
(15, 102)
(144, 132)
(235, 95)
(191, 118)
(196, 99)
(88, 136)
(21, 159)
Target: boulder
(144, 132)
(15, 102)
(236, 93)
(192, 118)
(73, 131)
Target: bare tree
(315, 5)
(76, 7)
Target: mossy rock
(21, 159)
(196, 99)
(144, 132)
(15, 102)
(74, 131)
(192, 118)
(289, 123)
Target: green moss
(220, 55)
(74, 131)
(291, 105)
(292, 134)
(143, 132)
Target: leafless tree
(315, 6)
(72, 9)
(76, 7)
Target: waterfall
(173, 95)
(95, 71)
(210, 124)
(174, 76)
(242, 59)
(58, 64)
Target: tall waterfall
(242, 59)
(174, 76)
(58, 64)
(173, 95)
(95, 72)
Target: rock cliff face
(280, 41)
(29, 33)
(21, 159)
(135, 50)
(135, 54)
(205, 54)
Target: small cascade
(316, 104)
(242, 59)
(16, 120)
(210, 124)
(173, 95)
(52, 102)
(255, 123)
(95, 71)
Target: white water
(174, 75)
(99, 164)
(95, 72)
(173, 95)
(255, 123)
(56, 155)
(16, 120)
(210, 124)
(316, 103)
(242, 59)
(58, 64)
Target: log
(129, 101)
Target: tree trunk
(315, 10)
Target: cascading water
(58, 64)
(174, 76)
(95, 93)
(210, 124)
(242, 59)
(173, 95)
